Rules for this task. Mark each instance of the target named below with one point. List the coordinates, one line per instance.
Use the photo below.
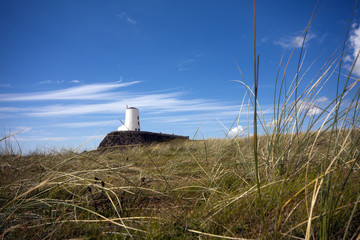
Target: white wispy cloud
(156, 103)
(294, 41)
(51, 82)
(5, 85)
(310, 108)
(56, 139)
(170, 107)
(11, 109)
(323, 37)
(124, 16)
(88, 124)
(130, 20)
(179, 118)
(46, 139)
(237, 131)
(314, 110)
(264, 39)
(85, 92)
(184, 65)
(322, 99)
(354, 41)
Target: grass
(183, 190)
(299, 179)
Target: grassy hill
(187, 190)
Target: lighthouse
(129, 133)
(132, 120)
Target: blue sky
(69, 68)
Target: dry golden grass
(176, 190)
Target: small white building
(132, 120)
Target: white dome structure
(132, 120)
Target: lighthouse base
(130, 138)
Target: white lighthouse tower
(132, 120)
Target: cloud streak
(107, 101)
(88, 124)
(124, 16)
(155, 103)
(354, 41)
(184, 65)
(294, 41)
(85, 92)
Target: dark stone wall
(123, 138)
